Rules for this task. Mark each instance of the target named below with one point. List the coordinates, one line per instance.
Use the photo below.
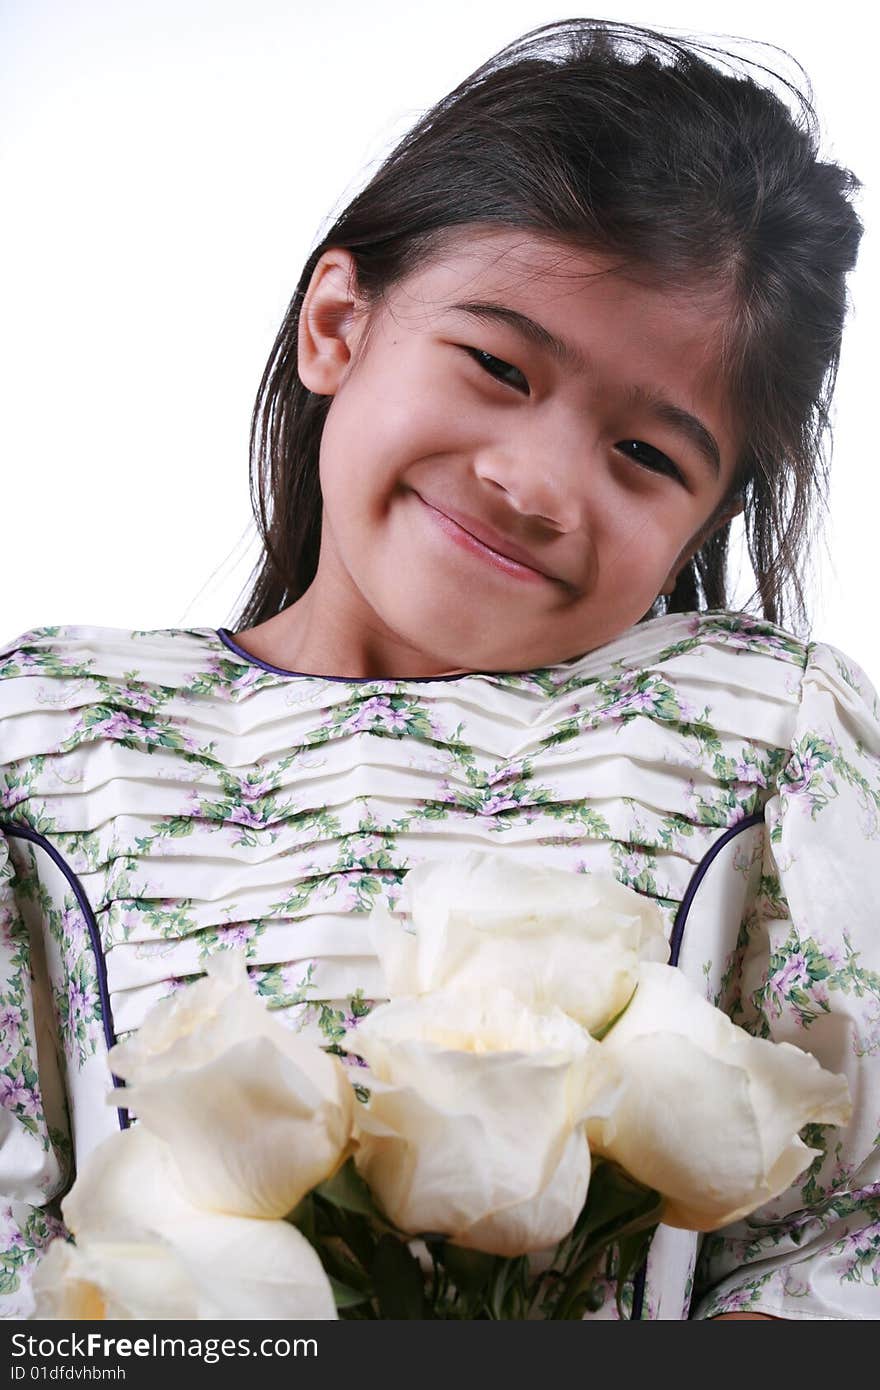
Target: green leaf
(344, 1296)
(303, 1217)
(616, 1205)
(347, 1189)
(632, 1251)
(398, 1280)
(603, 1032)
(509, 1277)
(469, 1270)
(617, 1208)
(338, 1263)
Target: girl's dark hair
(620, 140)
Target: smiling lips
(491, 545)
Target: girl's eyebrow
(655, 402)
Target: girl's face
(507, 399)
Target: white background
(166, 169)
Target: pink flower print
(631, 865)
(248, 677)
(861, 1250)
(793, 975)
(799, 774)
(738, 1300)
(10, 1018)
(294, 978)
(377, 711)
(353, 1061)
(52, 1228)
(498, 803)
(78, 1003)
(120, 725)
(72, 929)
(446, 793)
(10, 797)
(10, 1235)
(741, 640)
(236, 935)
(735, 815)
(140, 699)
(794, 972)
(352, 1019)
(27, 659)
(7, 935)
(630, 701)
(513, 772)
(342, 889)
(834, 955)
(641, 700)
(255, 791)
(750, 772)
(129, 917)
(15, 1095)
(245, 815)
(363, 845)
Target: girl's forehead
(570, 293)
(513, 257)
(538, 269)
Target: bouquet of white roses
(540, 1089)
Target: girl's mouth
(468, 542)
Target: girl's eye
(496, 368)
(643, 454)
(652, 458)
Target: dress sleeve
(34, 1133)
(809, 974)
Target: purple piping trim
(697, 877)
(25, 833)
(675, 942)
(229, 641)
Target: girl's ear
(329, 325)
(732, 510)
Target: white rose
(254, 1115)
(143, 1251)
(708, 1115)
(550, 936)
(475, 1123)
(113, 1279)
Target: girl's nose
(533, 487)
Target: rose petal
(129, 1192)
(708, 1115)
(113, 1280)
(255, 1114)
(550, 936)
(250, 1132)
(442, 1142)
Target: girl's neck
(296, 640)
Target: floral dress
(164, 795)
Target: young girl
(586, 312)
